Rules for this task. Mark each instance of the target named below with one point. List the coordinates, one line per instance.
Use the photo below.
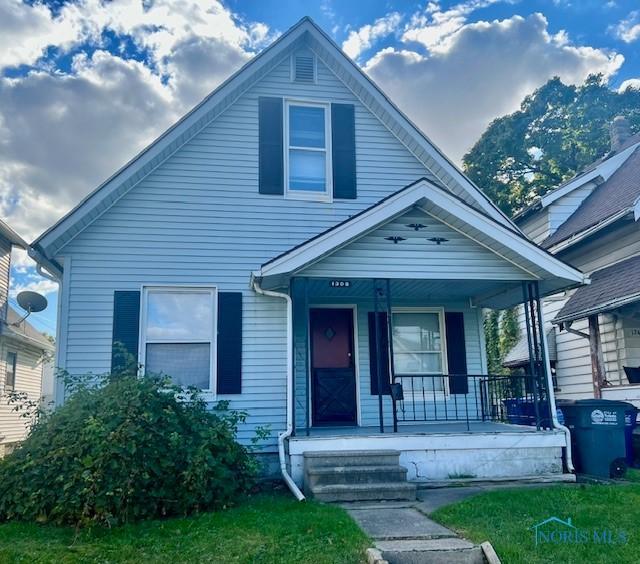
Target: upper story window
(178, 337)
(10, 374)
(307, 150)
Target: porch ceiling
(427, 291)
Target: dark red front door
(333, 377)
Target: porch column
(597, 360)
(378, 352)
(545, 367)
(532, 346)
(300, 313)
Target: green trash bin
(597, 435)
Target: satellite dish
(31, 302)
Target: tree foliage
(558, 130)
(501, 332)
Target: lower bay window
(178, 334)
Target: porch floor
(434, 428)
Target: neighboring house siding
(28, 379)
(5, 269)
(198, 219)
(417, 257)
(536, 227)
(620, 346)
(562, 208)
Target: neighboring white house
(591, 222)
(23, 351)
(295, 245)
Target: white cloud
(62, 133)
(485, 71)
(434, 28)
(629, 29)
(42, 286)
(362, 39)
(633, 83)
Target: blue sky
(86, 84)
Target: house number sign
(340, 283)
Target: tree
(558, 130)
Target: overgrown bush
(125, 449)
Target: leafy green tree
(492, 338)
(509, 331)
(558, 130)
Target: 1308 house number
(340, 283)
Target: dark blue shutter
(343, 151)
(270, 150)
(126, 329)
(383, 340)
(456, 352)
(229, 345)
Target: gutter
(53, 269)
(295, 490)
(552, 401)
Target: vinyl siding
(536, 227)
(560, 210)
(198, 219)
(28, 379)
(5, 270)
(416, 257)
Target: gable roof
(305, 31)
(511, 245)
(619, 193)
(610, 288)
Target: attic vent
(304, 68)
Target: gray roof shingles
(618, 193)
(608, 288)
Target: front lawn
(269, 528)
(506, 518)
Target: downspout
(295, 490)
(552, 398)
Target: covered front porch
(387, 340)
(392, 355)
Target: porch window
(178, 334)
(307, 153)
(418, 350)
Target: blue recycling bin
(630, 423)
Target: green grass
(268, 528)
(505, 518)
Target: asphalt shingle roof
(618, 193)
(610, 287)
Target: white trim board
(319, 247)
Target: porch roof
(523, 260)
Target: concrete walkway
(404, 534)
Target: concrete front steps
(374, 475)
(432, 551)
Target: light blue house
(295, 245)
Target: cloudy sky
(85, 84)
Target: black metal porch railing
(518, 399)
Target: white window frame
(443, 352)
(6, 369)
(210, 392)
(327, 195)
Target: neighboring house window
(10, 374)
(177, 334)
(418, 349)
(307, 151)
